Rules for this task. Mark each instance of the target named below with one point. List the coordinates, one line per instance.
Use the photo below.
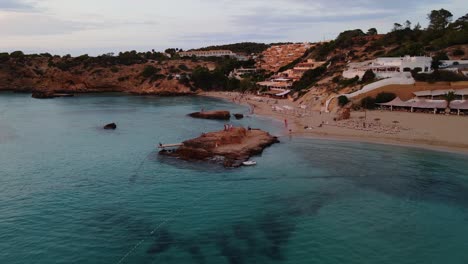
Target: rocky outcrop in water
(43, 95)
(219, 115)
(229, 148)
(111, 126)
(238, 116)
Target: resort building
(388, 67)
(431, 101)
(239, 73)
(458, 66)
(277, 86)
(206, 53)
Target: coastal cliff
(229, 148)
(65, 75)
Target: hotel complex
(212, 53)
(388, 67)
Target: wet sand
(441, 132)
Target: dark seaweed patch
(277, 230)
(162, 242)
(233, 254)
(196, 253)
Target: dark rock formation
(219, 115)
(111, 126)
(229, 148)
(238, 116)
(43, 95)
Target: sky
(100, 26)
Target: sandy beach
(441, 132)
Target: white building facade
(388, 67)
(207, 53)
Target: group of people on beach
(228, 127)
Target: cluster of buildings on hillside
(279, 85)
(278, 56)
(212, 53)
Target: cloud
(33, 24)
(15, 5)
(111, 25)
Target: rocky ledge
(229, 148)
(219, 115)
(48, 94)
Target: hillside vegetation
(155, 72)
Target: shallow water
(71, 192)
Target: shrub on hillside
(183, 67)
(384, 97)
(343, 100)
(368, 76)
(114, 69)
(309, 78)
(4, 57)
(149, 71)
(368, 103)
(17, 54)
(458, 52)
(348, 82)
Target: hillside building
(388, 67)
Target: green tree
(171, 51)
(17, 54)
(439, 19)
(417, 27)
(149, 71)
(449, 97)
(343, 100)
(436, 60)
(368, 76)
(4, 57)
(246, 85)
(396, 27)
(372, 32)
(384, 97)
(408, 24)
(368, 102)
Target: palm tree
(449, 97)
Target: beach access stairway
(404, 79)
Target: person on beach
(286, 123)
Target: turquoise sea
(71, 192)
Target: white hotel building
(207, 53)
(388, 67)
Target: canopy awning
(459, 104)
(441, 92)
(417, 103)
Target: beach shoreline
(416, 130)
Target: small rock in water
(238, 116)
(42, 94)
(111, 126)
